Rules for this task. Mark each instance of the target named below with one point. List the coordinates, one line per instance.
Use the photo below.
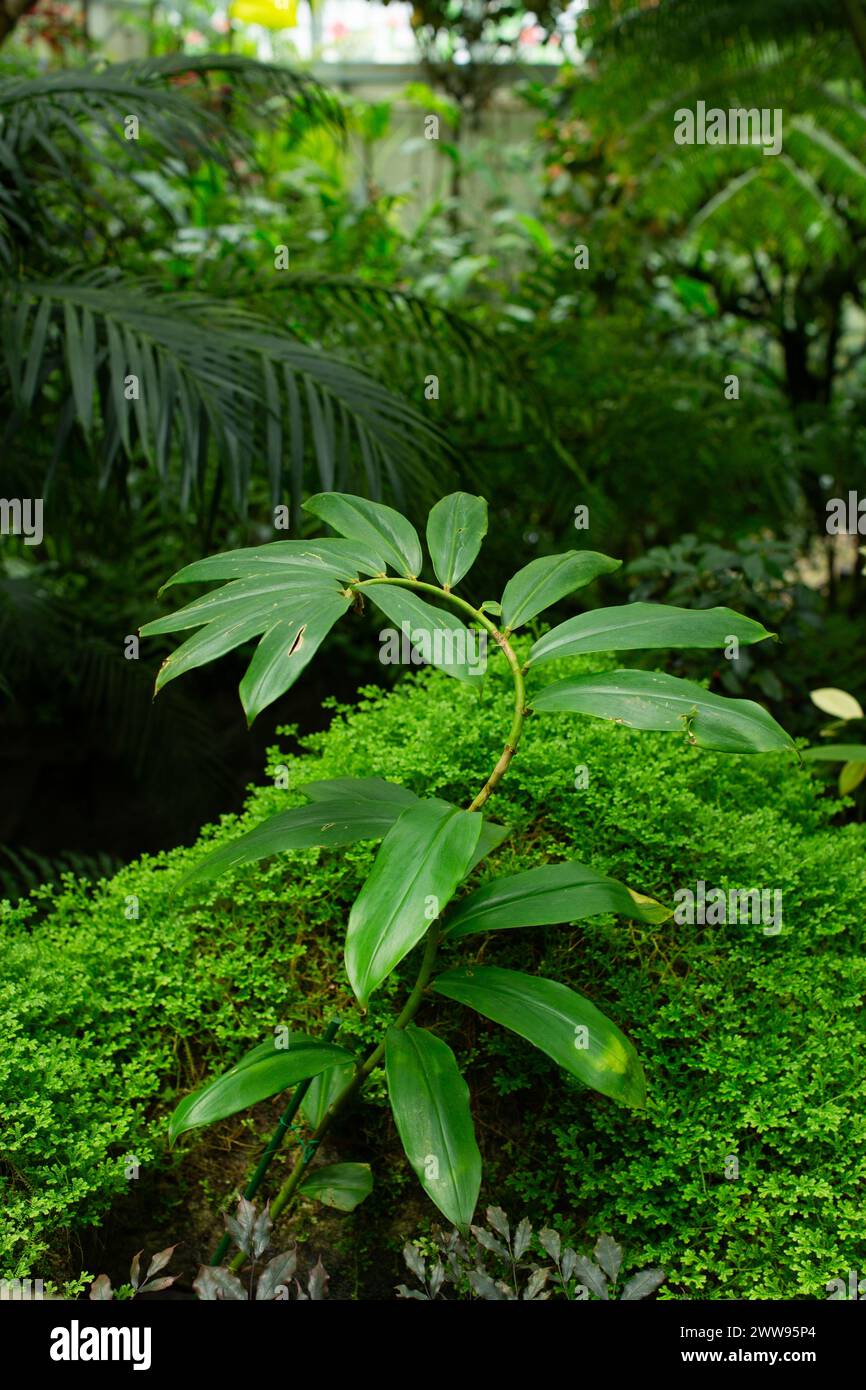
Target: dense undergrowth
(117, 997)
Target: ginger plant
(289, 594)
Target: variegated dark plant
(265, 1281)
(271, 1279)
(498, 1263)
(289, 594)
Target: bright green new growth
(290, 594)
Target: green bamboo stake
(276, 1139)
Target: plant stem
(413, 1003)
(410, 1008)
(516, 672)
(276, 1139)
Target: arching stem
(431, 944)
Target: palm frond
(50, 121)
(399, 335)
(171, 377)
(157, 91)
(395, 327)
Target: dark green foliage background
(752, 1044)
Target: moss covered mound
(746, 1175)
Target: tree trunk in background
(10, 13)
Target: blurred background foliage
(409, 258)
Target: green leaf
(380, 795)
(430, 1101)
(441, 638)
(323, 1090)
(209, 370)
(549, 894)
(264, 1072)
(633, 626)
(270, 596)
(456, 527)
(835, 753)
(555, 1019)
(345, 560)
(420, 863)
(213, 641)
(284, 652)
(340, 1185)
(850, 777)
(389, 534)
(353, 808)
(836, 702)
(338, 822)
(551, 1242)
(491, 838)
(39, 335)
(357, 791)
(549, 578)
(650, 700)
(80, 363)
(293, 609)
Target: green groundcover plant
(119, 997)
(290, 594)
